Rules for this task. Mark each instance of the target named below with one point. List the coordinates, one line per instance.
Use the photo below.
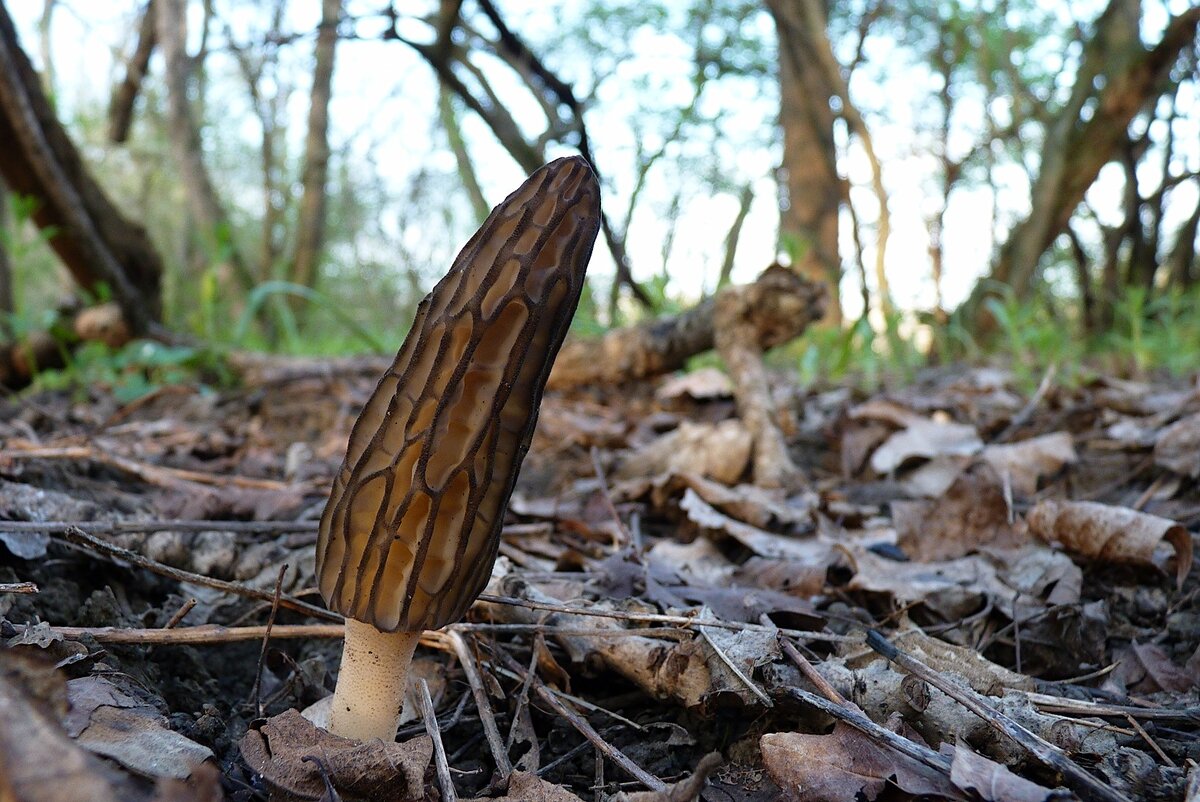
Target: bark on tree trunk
(814, 190)
(310, 228)
(95, 241)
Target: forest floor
(651, 605)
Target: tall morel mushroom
(410, 532)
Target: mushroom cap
(410, 531)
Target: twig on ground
(164, 525)
(681, 620)
(850, 714)
(1054, 757)
(1035, 400)
(810, 672)
(486, 716)
(586, 730)
(18, 587)
(183, 610)
(77, 537)
(255, 693)
(445, 783)
(151, 474)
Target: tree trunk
(215, 228)
(1181, 261)
(310, 229)
(96, 242)
(120, 108)
(1076, 149)
(7, 301)
(808, 222)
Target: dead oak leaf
(972, 513)
(844, 766)
(276, 749)
(1026, 462)
(993, 782)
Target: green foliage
(134, 370)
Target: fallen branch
(783, 303)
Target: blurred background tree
(307, 168)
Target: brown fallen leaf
(1178, 446)
(844, 766)
(1026, 462)
(1112, 534)
(925, 438)
(720, 451)
(528, 787)
(1147, 668)
(993, 782)
(37, 759)
(700, 385)
(277, 748)
(972, 513)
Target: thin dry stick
(1163, 756)
(681, 620)
(586, 730)
(579, 702)
(1031, 406)
(151, 474)
(18, 587)
(486, 717)
(810, 672)
(858, 720)
(1081, 707)
(164, 525)
(255, 693)
(202, 634)
(612, 508)
(78, 537)
(445, 783)
(1048, 753)
(737, 671)
(183, 610)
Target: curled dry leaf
(276, 749)
(810, 550)
(1026, 462)
(1112, 534)
(109, 722)
(1147, 668)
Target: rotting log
(777, 308)
(98, 244)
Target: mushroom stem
(370, 686)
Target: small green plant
(134, 370)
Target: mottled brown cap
(410, 532)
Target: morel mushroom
(410, 532)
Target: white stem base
(371, 683)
